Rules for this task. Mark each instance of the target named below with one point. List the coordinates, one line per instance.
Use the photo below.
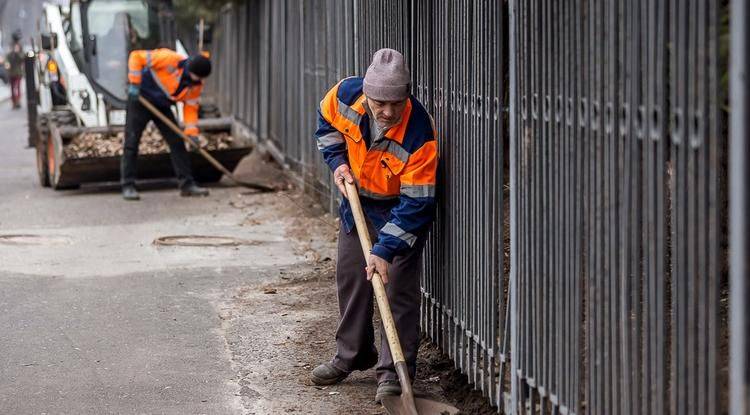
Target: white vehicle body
(91, 107)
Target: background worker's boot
(129, 193)
(327, 374)
(193, 190)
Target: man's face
(194, 77)
(386, 113)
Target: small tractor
(76, 80)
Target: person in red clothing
(15, 60)
(164, 77)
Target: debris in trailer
(88, 145)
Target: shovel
(202, 152)
(407, 403)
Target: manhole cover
(28, 239)
(201, 240)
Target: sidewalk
(4, 92)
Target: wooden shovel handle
(377, 282)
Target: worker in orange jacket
(164, 77)
(372, 131)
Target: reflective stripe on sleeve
(330, 139)
(392, 229)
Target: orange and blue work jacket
(395, 171)
(164, 80)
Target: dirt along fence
(579, 259)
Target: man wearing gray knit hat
(373, 132)
(387, 78)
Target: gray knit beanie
(387, 78)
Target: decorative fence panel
(578, 263)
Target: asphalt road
(94, 318)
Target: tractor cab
(101, 34)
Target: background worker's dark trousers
(355, 341)
(136, 120)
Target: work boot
(129, 193)
(193, 189)
(327, 374)
(387, 387)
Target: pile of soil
(110, 145)
(437, 376)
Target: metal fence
(600, 284)
(618, 167)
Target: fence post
(739, 172)
(513, 283)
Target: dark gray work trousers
(136, 119)
(355, 339)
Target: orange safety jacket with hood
(396, 172)
(163, 79)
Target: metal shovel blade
(257, 186)
(394, 405)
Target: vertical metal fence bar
(739, 171)
(515, 95)
(679, 266)
(610, 124)
(625, 139)
(566, 118)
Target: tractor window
(118, 27)
(136, 20)
(74, 32)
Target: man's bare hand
(379, 265)
(343, 172)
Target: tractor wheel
(54, 158)
(41, 163)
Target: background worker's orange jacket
(163, 79)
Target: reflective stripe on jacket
(396, 175)
(159, 73)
